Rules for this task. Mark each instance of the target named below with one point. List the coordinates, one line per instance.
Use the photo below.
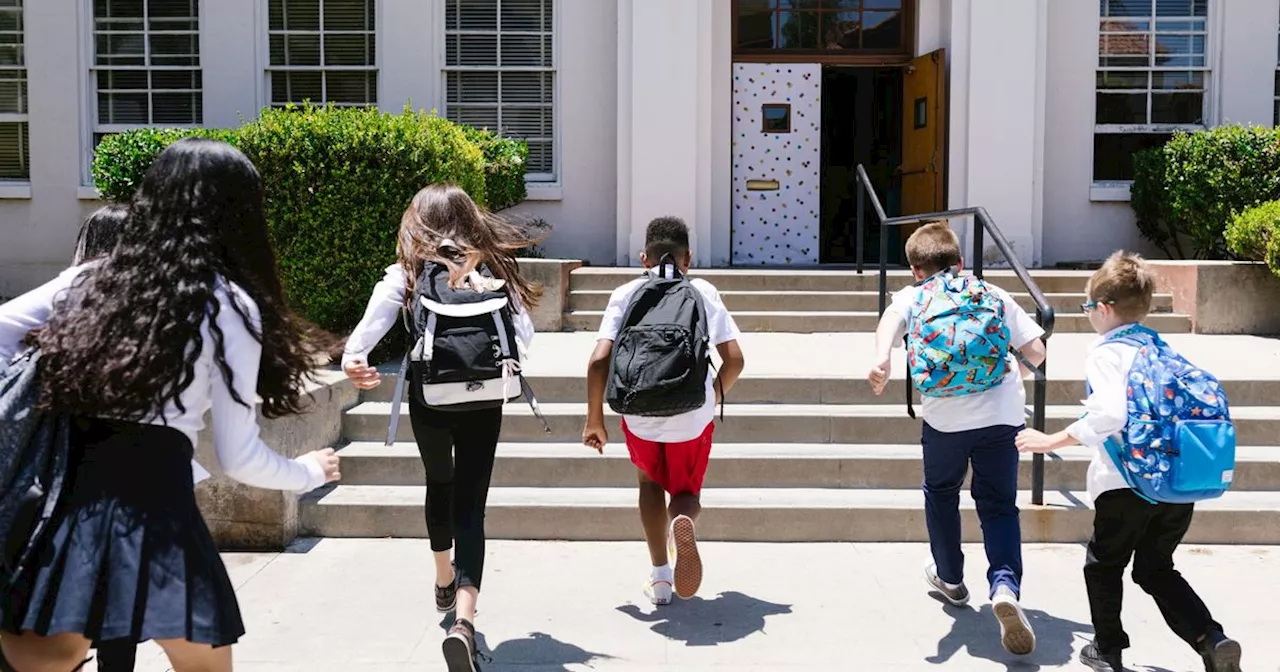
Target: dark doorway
(861, 124)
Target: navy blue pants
(947, 456)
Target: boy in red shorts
(670, 453)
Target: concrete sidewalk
(366, 606)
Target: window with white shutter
(146, 64)
(14, 150)
(322, 51)
(1153, 71)
(500, 73)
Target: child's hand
(1033, 441)
(328, 460)
(364, 376)
(595, 436)
(878, 376)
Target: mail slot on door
(762, 185)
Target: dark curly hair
(125, 338)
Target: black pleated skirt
(127, 555)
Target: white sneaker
(688, 564)
(1015, 631)
(659, 587)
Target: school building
(745, 117)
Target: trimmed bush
(1209, 177)
(1255, 232)
(338, 182)
(1150, 202)
(120, 160)
(504, 166)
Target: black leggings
(457, 449)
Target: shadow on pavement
(977, 631)
(537, 650)
(728, 617)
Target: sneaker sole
(1226, 656)
(1015, 633)
(457, 655)
(449, 609)
(688, 563)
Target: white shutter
(323, 51)
(500, 72)
(14, 151)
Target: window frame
(1112, 190)
(23, 119)
(868, 57)
(266, 69)
(544, 182)
(89, 87)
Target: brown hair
(933, 247)
(445, 211)
(1126, 284)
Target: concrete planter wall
(553, 274)
(247, 518)
(1223, 297)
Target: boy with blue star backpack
(1163, 439)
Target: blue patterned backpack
(958, 342)
(1179, 445)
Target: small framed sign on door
(777, 118)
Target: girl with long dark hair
(185, 315)
(443, 226)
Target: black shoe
(459, 648)
(1101, 662)
(447, 596)
(1220, 653)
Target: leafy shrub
(1208, 178)
(338, 182)
(1256, 231)
(1150, 202)
(504, 167)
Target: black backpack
(662, 354)
(464, 354)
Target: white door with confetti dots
(777, 139)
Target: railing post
(859, 240)
(978, 231)
(1040, 390)
(884, 266)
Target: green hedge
(338, 182)
(1255, 235)
(504, 161)
(1198, 182)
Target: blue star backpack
(1179, 445)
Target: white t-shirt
(720, 328)
(1002, 405)
(1106, 410)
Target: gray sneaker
(1016, 634)
(956, 595)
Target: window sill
(544, 192)
(1110, 192)
(88, 194)
(15, 191)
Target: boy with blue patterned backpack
(1164, 440)
(964, 338)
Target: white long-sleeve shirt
(1106, 409)
(383, 312)
(236, 435)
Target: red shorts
(677, 467)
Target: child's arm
(1034, 352)
(731, 365)
(594, 435)
(891, 330)
(1106, 409)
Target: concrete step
(1063, 304)
(727, 280)
(765, 423)
(811, 390)
(812, 322)
(746, 465)
(755, 515)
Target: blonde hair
(933, 247)
(444, 212)
(1125, 283)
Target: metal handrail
(1044, 311)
